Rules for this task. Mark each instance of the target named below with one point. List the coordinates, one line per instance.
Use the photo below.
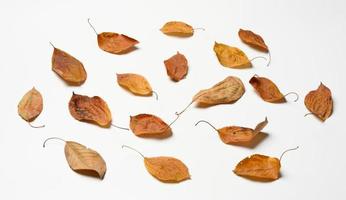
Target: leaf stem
(156, 95)
(133, 150)
(283, 153)
(92, 26)
(207, 123)
(297, 96)
(33, 126)
(119, 127)
(52, 138)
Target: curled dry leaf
(90, 109)
(164, 168)
(231, 56)
(267, 89)
(135, 83)
(83, 160)
(252, 39)
(260, 167)
(237, 134)
(227, 91)
(319, 102)
(177, 28)
(176, 67)
(68, 68)
(113, 42)
(150, 126)
(31, 105)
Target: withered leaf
(231, 56)
(164, 168)
(227, 91)
(90, 109)
(252, 39)
(319, 102)
(68, 68)
(150, 126)
(31, 105)
(267, 89)
(259, 167)
(176, 67)
(83, 160)
(177, 28)
(135, 83)
(115, 43)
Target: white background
(307, 41)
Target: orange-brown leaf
(115, 43)
(68, 67)
(90, 109)
(231, 57)
(320, 102)
(252, 39)
(267, 90)
(147, 125)
(31, 105)
(135, 83)
(84, 160)
(167, 169)
(259, 167)
(239, 135)
(176, 67)
(177, 28)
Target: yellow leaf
(176, 28)
(231, 56)
(135, 83)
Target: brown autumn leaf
(231, 56)
(31, 105)
(252, 39)
(319, 102)
(115, 43)
(90, 109)
(68, 67)
(83, 160)
(164, 168)
(149, 126)
(268, 91)
(176, 67)
(227, 91)
(177, 28)
(135, 83)
(259, 167)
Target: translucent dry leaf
(31, 105)
(68, 68)
(259, 167)
(320, 102)
(84, 160)
(115, 43)
(135, 83)
(176, 67)
(253, 40)
(227, 91)
(167, 169)
(147, 125)
(178, 29)
(90, 109)
(231, 56)
(267, 89)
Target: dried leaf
(167, 169)
(227, 91)
(320, 102)
(147, 125)
(115, 43)
(83, 160)
(135, 83)
(178, 29)
(267, 90)
(31, 105)
(259, 167)
(68, 68)
(253, 40)
(176, 67)
(231, 56)
(90, 109)
(238, 135)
